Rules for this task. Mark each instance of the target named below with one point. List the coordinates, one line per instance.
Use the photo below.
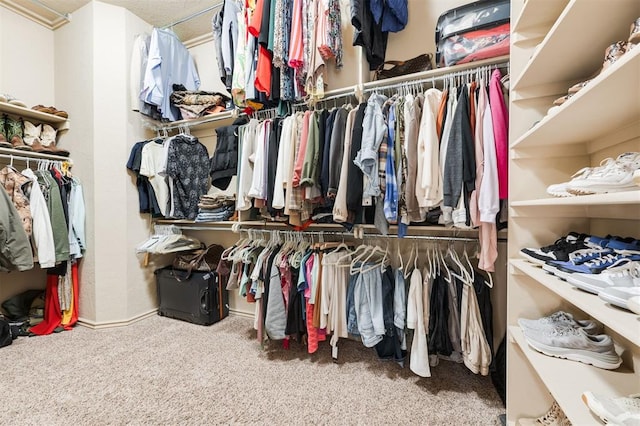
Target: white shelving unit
(553, 47)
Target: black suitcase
(198, 298)
(474, 31)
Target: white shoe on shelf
(615, 177)
(620, 411)
(634, 304)
(554, 417)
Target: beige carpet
(161, 371)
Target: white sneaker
(554, 417)
(575, 344)
(556, 319)
(620, 411)
(615, 177)
(626, 275)
(633, 304)
(619, 296)
(560, 189)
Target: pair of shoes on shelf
(612, 53)
(560, 335)
(51, 110)
(5, 97)
(613, 252)
(559, 250)
(42, 138)
(610, 176)
(620, 411)
(11, 134)
(616, 285)
(553, 417)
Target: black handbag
(419, 63)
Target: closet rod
(333, 94)
(65, 16)
(440, 73)
(430, 79)
(369, 235)
(234, 113)
(39, 157)
(194, 15)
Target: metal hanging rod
(157, 126)
(431, 76)
(65, 16)
(193, 15)
(41, 157)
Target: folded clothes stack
(215, 208)
(194, 104)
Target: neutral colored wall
(26, 72)
(27, 58)
(74, 62)
(141, 291)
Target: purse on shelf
(419, 63)
(202, 260)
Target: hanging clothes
(15, 250)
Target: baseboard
(123, 323)
(111, 324)
(237, 313)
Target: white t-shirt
(152, 162)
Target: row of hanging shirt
(269, 50)
(158, 62)
(330, 290)
(172, 174)
(437, 156)
(43, 216)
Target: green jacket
(15, 249)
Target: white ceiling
(158, 13)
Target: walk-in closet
(320, 211)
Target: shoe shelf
(574, 46)
(610, 101)
(626, 324)
(59, 123)
(618, 205)
(535, 19)
(558, 373)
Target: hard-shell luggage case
(198, 298)
(474, 31)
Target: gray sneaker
(575, 344)
(556, 319)
(625, 275)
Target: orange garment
(70, 318)
(442, 113)
(255, 21)
(472, 106)
(263, 71)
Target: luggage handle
(204, 301)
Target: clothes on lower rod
(310, 291)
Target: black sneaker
(558, 251)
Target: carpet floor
(160, 371)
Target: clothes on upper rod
(327, 165)
(271, 50)
(43, 219)
(331, 293)
(158, 63)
